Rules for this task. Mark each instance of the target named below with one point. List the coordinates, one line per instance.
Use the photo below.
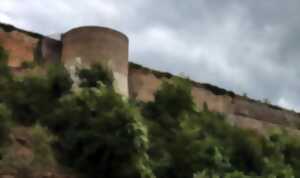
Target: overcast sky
(248, 46)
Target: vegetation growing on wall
(5, 117)
(91, 77)
(187, 143)
(5, 113)
(100, 134)
(214, 89)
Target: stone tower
(85, 46)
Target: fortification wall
(94, 44)
(50, 50)
(23, 46)
(84, 45)
(142, 83)
(241, 111)
(87, 45)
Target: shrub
(59, 81)
(184, 141)
(42, 141)
(101, 135)
(42, 159)
(205, 174)
(28, 65)
(5, 74)
(91, 77)
(28, 98)
(176, 148)
(21, 167)
(172, 99)
(31, 97)
(4, 69)
(5, 121)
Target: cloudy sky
(248, 46)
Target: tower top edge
(97, 28)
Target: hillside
(52, 129)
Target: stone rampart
(110, 47)
(241, 111)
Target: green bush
(31, 97)
(4, 69)
(184, 141)
(42, 158)
(91, 77)
(42, 141)
(59, 81)
(5, 122)
(28, 65)
(205, 174)
(5, 74)
(172, 132)
(101, 135)
(173, 97)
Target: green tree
(31, 97)
(5, 74)
(5, 121)
(184, 141)
(4, 69)
(59, 80)
(101, 135)
(179, 145)
(90, 77)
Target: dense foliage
(91, 77)
(5, 113)
(98, 133)
(103, 133)
(4, 69)
(33, 96)
(5, 117)
(186, 143)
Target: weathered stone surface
(142, 84)
(263, 112)
(216, 103)
(259, 126)
(243, 112)
(20, 47)
(90, 45)
(50, 50)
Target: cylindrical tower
(88, 45)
